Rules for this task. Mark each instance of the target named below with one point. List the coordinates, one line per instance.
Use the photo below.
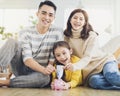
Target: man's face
(46, 15)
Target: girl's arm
(76, 79)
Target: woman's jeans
(109, 78)
(10, 53)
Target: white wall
(19, 4)
(33, 4)
(99, 19)
(116, 14)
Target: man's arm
(31, 63)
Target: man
(31, 60)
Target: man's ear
(71, 51)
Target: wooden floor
(79, 91)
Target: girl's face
(77, 21)
(63, 54)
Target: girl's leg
(111, 73)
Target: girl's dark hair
(61, 44)
(49, 3)
(86, 28)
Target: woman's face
(77, 21)
(62, 55)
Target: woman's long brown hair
(86, 28)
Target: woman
(100, 69)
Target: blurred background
(104, 16)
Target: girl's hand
(52, 85)
(66, 86)
(59, 84)
(68, 66)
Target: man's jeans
(10, 53)
(109, 78)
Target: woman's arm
(76, 79)
(91, 48)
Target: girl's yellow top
(74, 78)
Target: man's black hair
(49, 3)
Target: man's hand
(49, 69)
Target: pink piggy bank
(58, 84)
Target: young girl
(63, 55)
(100, 70)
